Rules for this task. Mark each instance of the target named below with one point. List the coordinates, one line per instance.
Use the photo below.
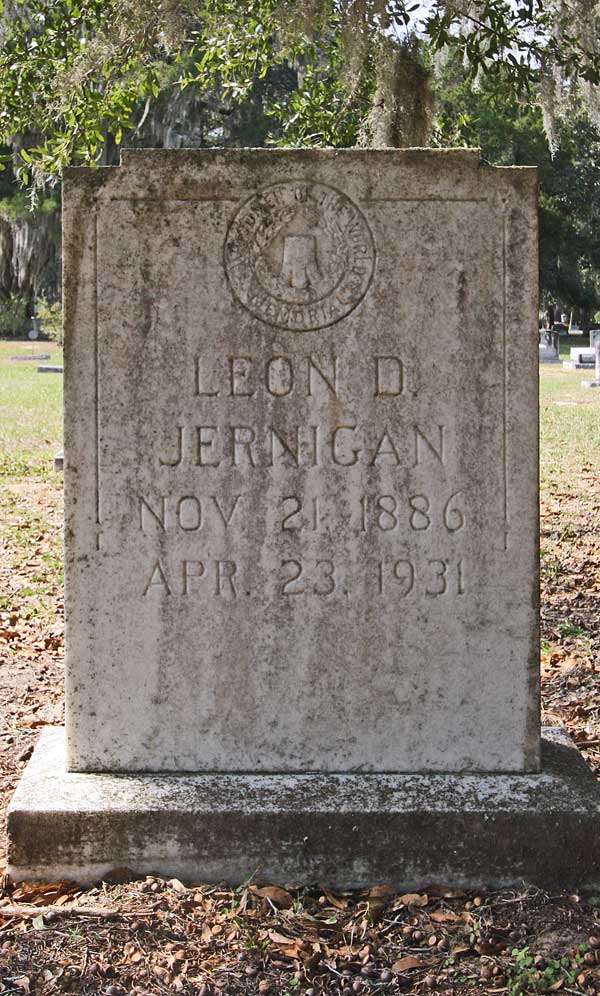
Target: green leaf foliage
(74, 73)
(510, 131)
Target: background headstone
(596, 381)
(549, 347)
(580, 357)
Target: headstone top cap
(359, 167)
(131, 156)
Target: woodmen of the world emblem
(299, 255)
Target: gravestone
(32, 356)
(580, 358)
(596, 381)
(549, 347)
(301, 535)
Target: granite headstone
(302, 532)
(302, 521)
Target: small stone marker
(32, 336)
(32, 356)
(56, 369)
(301, 533)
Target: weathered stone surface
(301, 530)
(343, 830)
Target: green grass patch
(30, 410)
(569, 423)
(31, 542)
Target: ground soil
(153, 936)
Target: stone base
(342, 830)
(572, 365)
(590, 383)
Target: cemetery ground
(153, 936)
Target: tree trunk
(402, 109)
(30, 255)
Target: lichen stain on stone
(461, 292)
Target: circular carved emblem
(299, 255)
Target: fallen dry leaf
(278, 896)
(441, 916)
(44, 893)
(278, 938)
(410, 961)
(338, 901)
(381, 892)
(414, 899)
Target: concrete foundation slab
(346, 830)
